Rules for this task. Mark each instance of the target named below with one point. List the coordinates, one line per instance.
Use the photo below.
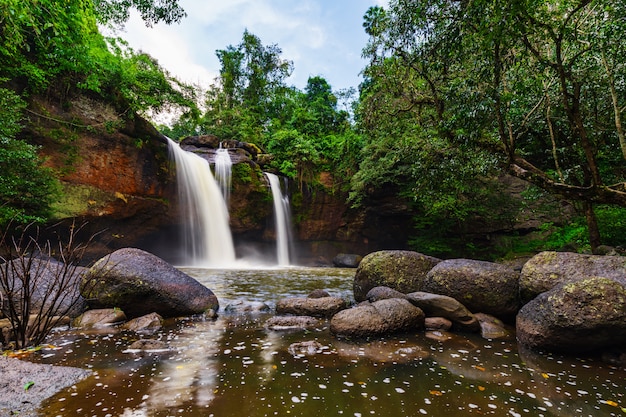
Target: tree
(528, 83)
(117, 12)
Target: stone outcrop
(382, 317)
(140, 283)
(404, 271)
(144, 324)
(546, 270)
(100, 317)
(347, 260)
(577, 316)
(482, 287)
(307, 306)
(292, 323)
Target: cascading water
(223, 172)
(207, 238)
(282, 216)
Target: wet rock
(310, 347)
(316, 307)
(383, 293)
(403, 271)
(435, 305)
(480, 286)
(382, 317)
(347, 260)
(148, 344)
(546, 270)
(246, 307)
(292, 322)
(148, 323)
(575, 317)
(141, 283)
(382, 351)
(100, 318)
(437, 323)
(491, 327)
(318, 294)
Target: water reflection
(234, 366)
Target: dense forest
(455, 95)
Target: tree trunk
(592, 226)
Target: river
(234, 366)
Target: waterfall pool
(234, 366)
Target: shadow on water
(234, 366)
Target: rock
(391, 351)
(318, 294)
(249, 307)
(292, 322)
(316, 307)
(437, 323)
(435, 305)
(347, 260)
(140, 283)
(480, 286)
(546, 270)
(100, 318)
(148, 344)
(310, 347)
(577, 316)
(148, 323)
(491, 327)
(45, 277)
(403, 271)
(382, 317)
(383, 293)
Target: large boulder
(482, 287)
(315, 307)
(140, 283)
(546, 270)
(403, 271)
(347, 260)
(51, 284)
(378, 318)
(575, 317)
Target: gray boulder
(546, 270)
(315, 307)
(144, 324)
(246, 307)
(575, 317)
(100, 317)
(480, 286)
(403, 271)
(141, 283)
(436, 305)
(491, 327)
(382, 317)
(347, 260)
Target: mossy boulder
(482, 287)
(403, 271)
(577, 316)
(546, 270)
(141, 283)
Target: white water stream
(282, 216)
(207, 237)
(223, 172)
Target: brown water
(233, 366)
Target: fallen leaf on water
(480, 368)
(436, 393)
(611, 403)
(481, 388)
(546, 376)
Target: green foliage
(117, 12)
(26, 188)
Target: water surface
(234, 366)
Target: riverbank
(24, 385)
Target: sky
(321, 37)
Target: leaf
(436, 393)
(611, 403)
(28, 385)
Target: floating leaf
(28, 385)
(546, 376)
(480, 368)
(436, 393)
(611, 403)
(481, 388)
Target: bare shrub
(40, 282)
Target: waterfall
(223, 172)
(207, 238)
(282, 216)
